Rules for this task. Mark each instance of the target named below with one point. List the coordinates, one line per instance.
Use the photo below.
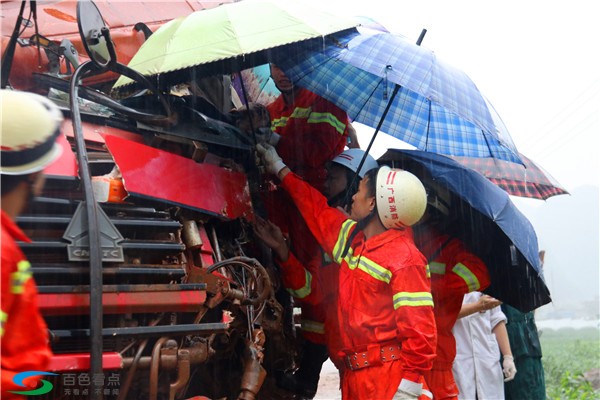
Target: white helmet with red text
(401, 198)
(351, 158)
(30, 125)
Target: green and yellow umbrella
(229, 38)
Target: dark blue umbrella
(489, 223)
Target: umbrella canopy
(528, 180)
(240, 31)
(437, 109)
(490, 224)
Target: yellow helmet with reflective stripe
(401, 198)
(30, 126)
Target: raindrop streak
(513, 255)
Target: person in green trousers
(529, 383)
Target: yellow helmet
(401, 198)
(30, 126)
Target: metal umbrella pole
(385, 112)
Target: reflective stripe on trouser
(312, 326)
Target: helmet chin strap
(360, 225)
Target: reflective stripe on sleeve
(469, 277)
(20, 277)
(312, 326)
(304, 290)
(3, 319)
(341, 241)
(412, 299)
(437, 268)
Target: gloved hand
(408, 390)
(508, 368)
(270, 158)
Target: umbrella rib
(428, 126)
(368, 98)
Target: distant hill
(567, 228)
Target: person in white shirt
(481, 338)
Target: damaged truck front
(149, 278)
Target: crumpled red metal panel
(153, 173)
(66, 164)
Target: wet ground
(329, 384)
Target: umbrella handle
(421, 37)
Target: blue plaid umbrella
(437, 108)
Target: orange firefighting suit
(455, 271)
(317, 285)
(384, 298)
(24, 333)
(312, 132)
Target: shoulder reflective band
(341, 241)
(412, 299)
(311, 118)
(3, 318)
(363, 263)
(373, 269)
(304, 290)
(470, 279)
(437, 268)
(20, 276)
(312, 326)
(327, 118)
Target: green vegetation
(568, 354)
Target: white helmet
(401, 198)
(30, 126)
(351, 158)
(438, 197)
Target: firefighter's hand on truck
(270, 233)
(508, 368)
(270, 159)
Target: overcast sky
(536, 61)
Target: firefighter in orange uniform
(455, 271)
(30, 126)
(385, 307)
(309, 131)
(315, 286)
